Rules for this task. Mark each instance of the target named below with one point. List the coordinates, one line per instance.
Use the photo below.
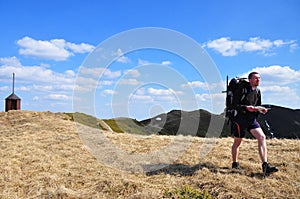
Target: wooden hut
(12, 102)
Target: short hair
(252, 73)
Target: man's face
(255, 80)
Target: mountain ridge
(279, 122)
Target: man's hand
(251, 109)
(261, 109)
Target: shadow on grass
(188, 170)
(182, 169)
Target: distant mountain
(279, 121)
(194, 123)
(282, 122)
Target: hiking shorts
(239, 127)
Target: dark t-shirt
(245, 97)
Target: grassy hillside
(42, 156)
(85, 119)
(121, 125)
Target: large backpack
(235, 85)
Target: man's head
(254, 79)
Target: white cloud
(276, 89)
(133, 73)
(143, 62)
(225, 46)
(108, 92)
(166, 62)
(278, 75)
(30, 74)
(166, 98)
(122, 58)
(35, 74)
(204, 86)
(91, 72)
(85, 84)
(140, 91)
(79, 48)
(195, 84)
(98, 72)
(24, 88)
(112, 74)
(4, 88)
(152, 95)
(57, 97)
(281, 95)
(154, 91)
(293, 47)
(70, 73)
(129, 82)
(10, 61)
(105, 83)
(141, 98)
(35, 98)
(37, 81)
(55, 49)
(228, 47)
(203, 97)
(279, 85)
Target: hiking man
(247, 104)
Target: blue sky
(46, 44)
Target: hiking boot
(236, 165)
(268, 169)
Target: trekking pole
(269, 129)
(226, 85)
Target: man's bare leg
(262, 146)
(235, 148)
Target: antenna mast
(13, 86)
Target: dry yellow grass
(42, 156)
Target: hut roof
(13, 96)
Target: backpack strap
(258, 97)
(244, 93)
